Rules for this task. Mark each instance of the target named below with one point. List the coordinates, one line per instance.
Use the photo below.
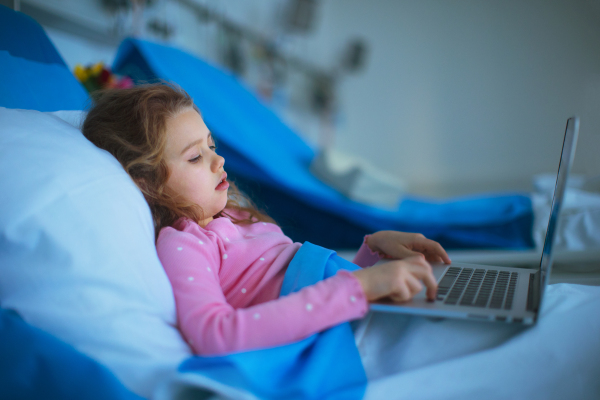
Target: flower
(97, 76)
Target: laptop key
(486, 288)
(511, 291)
(500, 290)
(459, 286)
(447, 281)
(472, 288)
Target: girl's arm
(365, 257)
(212, 326)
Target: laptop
(489, 293)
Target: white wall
(457, 96)
(465, 95)
(80, 51)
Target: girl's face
(196, 170)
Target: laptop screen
(564, 166)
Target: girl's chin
(224, 204)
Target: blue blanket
(264, 156)
(36, 365)
(270, 162)
(323, 366)
(34, 76)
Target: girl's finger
(431, 284)
(401, 292)
(403, 252)
(433, 247)
(439, 250)
(433, 258)
(425, 273)
(414, 285)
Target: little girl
(225, 259)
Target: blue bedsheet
(34, 76)
(264, 156)
(326, 365)
(35, 365)
(270, 162)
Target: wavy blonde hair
(131, 125)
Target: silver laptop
(488, 293)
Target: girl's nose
(218, 163)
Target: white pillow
(77, 255)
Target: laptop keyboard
(478, 288)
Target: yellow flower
(81, 73)
(96, 69)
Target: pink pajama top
(226, 279)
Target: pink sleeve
(365, 257)
(212, 326)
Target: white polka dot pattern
(179, 248)
(226, 281)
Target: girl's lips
(223, 185)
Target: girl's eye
(195, 159)
(213, 147)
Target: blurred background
(449, 97)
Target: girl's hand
(399, 245)
(398, 279)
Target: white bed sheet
(559, 358)
(419, 358)
(579, 222)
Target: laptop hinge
(533, 297)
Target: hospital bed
(271, 163)
(87, 310)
